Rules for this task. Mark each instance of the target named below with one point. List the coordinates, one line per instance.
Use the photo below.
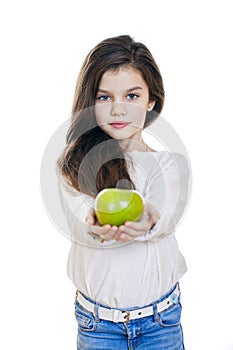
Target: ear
(151, 105)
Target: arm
(79, 214)
(166, 200)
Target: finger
(110, 233)
(153, 213)
(130, 231)
(155, 217)
(142, 225)
(123, 237)
(90, 218)
(100, 230)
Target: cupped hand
(133, 229)
(105, 232)
(127, 232)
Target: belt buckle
(127, 316)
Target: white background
(43, 44)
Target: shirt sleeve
(75, 206)
(168, 193)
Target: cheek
(137, 114)
(98, 118)
(102, 114)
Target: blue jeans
(161, 331)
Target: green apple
(115, 206)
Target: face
(122, 102)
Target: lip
(119, 125)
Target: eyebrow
(128, 90)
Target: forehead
(126, 77)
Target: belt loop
(156, 317)
(96, 313)
(115, 316)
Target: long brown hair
(92, 160)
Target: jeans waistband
(124, 315)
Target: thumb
(90, 218)
(155, 217)
(153, 213)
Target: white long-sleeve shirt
(119, 274)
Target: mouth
(119, 125)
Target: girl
(128, 295)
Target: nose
(118, 109)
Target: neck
(130, 145)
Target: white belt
(116, 315)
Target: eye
(104, 98)
(132, 96)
